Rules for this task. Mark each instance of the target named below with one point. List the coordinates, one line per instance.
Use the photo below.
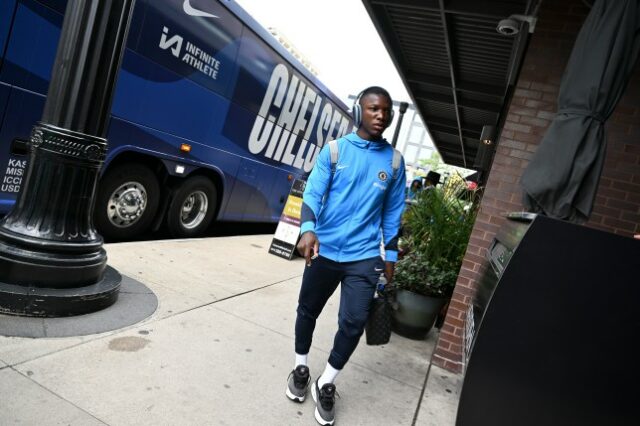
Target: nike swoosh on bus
(190, 10)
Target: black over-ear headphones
(356, 110)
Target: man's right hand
(308, 246)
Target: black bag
(378, 328)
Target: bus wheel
(192, 207)
(127, 202)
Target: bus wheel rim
(194, 209)
(127, 204)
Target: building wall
(617, 206)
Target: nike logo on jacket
(363, 201)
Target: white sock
(301, 360)
(328, 376)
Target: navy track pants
(319, 281)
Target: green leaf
(436, 230)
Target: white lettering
(279, 81)
(325, 118)
(287, 139)
(14, 173)
(316, 107)
(175, 41)
(17, 163)
(302, 123)
(194, 56)
(12, 179)
(310, 160)
(275, 94)
(299, 157)
(260, 134)
(344, 127)
(292, 103)
(337, 117)
(300, 109)
(10, 188)
(309, 96)
(288, 118)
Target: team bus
(211, 118)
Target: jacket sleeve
(392, 215)
(317, 184)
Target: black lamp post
(51, 258)
(403, 109)
(485, 152)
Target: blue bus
(211, 120)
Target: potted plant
(437, 227)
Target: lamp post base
(57, 302)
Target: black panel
(557, 344)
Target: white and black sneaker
(299, 379)
(325, 399)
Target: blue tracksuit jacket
(362, 198)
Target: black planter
(415, 314)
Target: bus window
(32, 47)
(6, 14)
(202, 49)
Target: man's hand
(308, 246)
(389, 268)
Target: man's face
(375, 116)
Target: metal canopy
(459, 71)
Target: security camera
(511, 25)
(508, 27)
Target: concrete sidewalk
(217, 351)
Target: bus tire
(192, 208)
(127, 202)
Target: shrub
(437, 227)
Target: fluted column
(51, 258)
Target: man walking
(354, 196)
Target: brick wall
(617, 207)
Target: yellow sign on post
(288, 230)
(293, 207)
